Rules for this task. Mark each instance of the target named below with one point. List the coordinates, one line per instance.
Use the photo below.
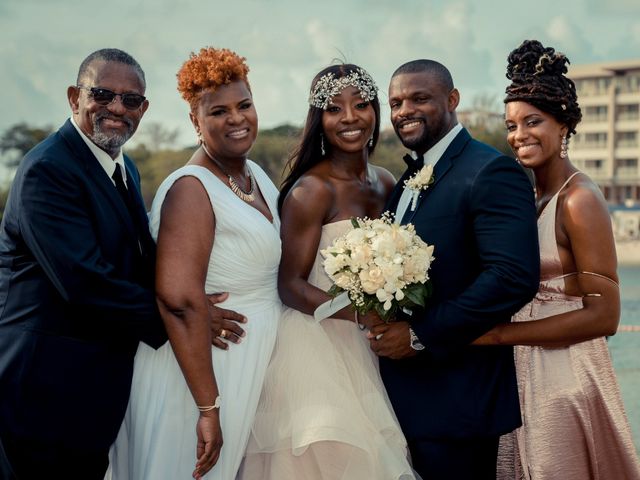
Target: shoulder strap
(567, 181)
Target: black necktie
(414, 164)
(122, 190)
(127, 198)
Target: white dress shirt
(431, 157)
(104, 159)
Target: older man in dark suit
(453, 399)
(76, 282)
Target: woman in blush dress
(217, 230)
(324, 413)
(574, 423)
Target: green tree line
(156, 157)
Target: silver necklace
(235, 188)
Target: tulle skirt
(323, 412)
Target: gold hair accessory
(328, 86)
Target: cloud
(614, 6)
(286, 43)
(565, 36)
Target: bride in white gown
(324, 413)
(217, 228)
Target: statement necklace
(235, 188)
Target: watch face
(414, 341)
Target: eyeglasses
(102, 96)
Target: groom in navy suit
(454, 399)
(76, 282)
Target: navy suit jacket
(480, 215)
(76, 297)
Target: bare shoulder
(185, 200)
(311, 196)
(582, 199)
(385, 177)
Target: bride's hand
(370, 320)
(209, 442)
(224, 323)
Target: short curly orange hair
(209, 69)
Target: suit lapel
(396, 193)
(441, 169)
(97, 175)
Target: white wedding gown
(157, 439)
(324, 413)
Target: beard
(431, 134)
(415, 142)
(110, 141)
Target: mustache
(409, 120)
(107, 116)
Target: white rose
(384, 245)
(361, 256)
(371, 280)
(356, 236)
(333, 264)
(343, 280)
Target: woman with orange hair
(216, 224)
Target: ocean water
(625, 348)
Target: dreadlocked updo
(537, 77)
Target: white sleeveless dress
(157, 439)
(324, 413)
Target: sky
(286, 42)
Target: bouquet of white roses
(381, 265)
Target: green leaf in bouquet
(417, 293)
(354, 222)
(335, 290)
(385, 315)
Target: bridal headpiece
(328, 86)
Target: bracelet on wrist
(208, 408)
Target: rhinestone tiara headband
(328, 86)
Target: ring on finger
(379, 336)
(223, 333)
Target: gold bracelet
(208, 408)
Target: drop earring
(563, 147)
(371, 141)
(322, 151)
(199, 138)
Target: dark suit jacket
(480, 216)
(76, 296)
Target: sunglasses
(102, 96)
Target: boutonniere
(420, 181)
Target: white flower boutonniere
(420, 181)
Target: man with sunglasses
(76, 282)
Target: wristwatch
(414, 341)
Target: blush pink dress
(574, 423)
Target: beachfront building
(607, 145)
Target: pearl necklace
(235, 188)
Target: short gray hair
(109, 55)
